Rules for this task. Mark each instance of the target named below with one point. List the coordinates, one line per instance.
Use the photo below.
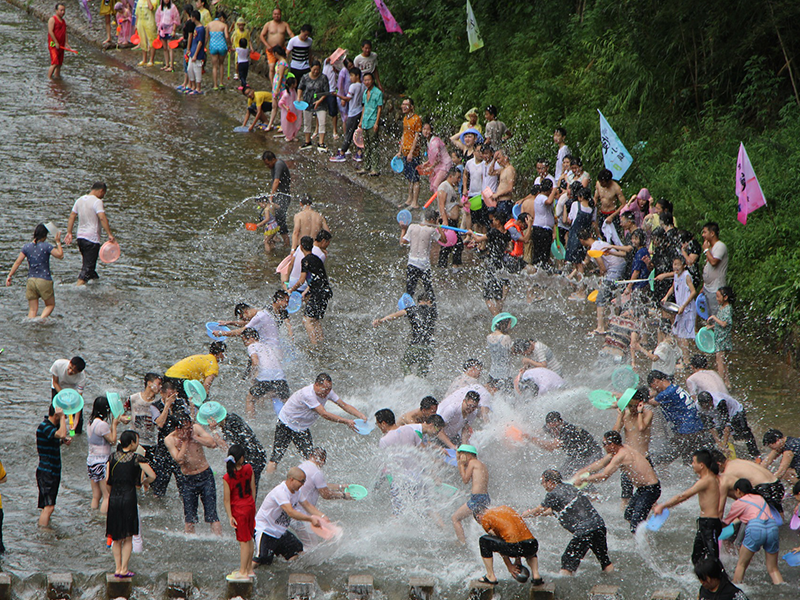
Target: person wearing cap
(40, 280)
(577, 443)
(241, 32)
(508, 536)
(496, 131)
(576, 514)
(474, 471)
(185, 445)
(466, 141)
(638, 469)
(201, 367)
(471, 122)
(634, 422)
(499, 344)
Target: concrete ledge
(543, 592)
(421, 588)
(5, 586)
(480, 591)
(667, 594)
(301, 586)
(604, 592)
(359, 587)
(118, 587)
(59, 586)
(179, 584)
(242, 588)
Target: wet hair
(492, 110)
(323, 236)
(126, 439)
(654, 375)
(425, 296)
(487, 148)
(710, 568)
(613, 436)
(605, 175)
(268, 155)
(250, 334)
(307, 243)
(536, 188)
(307, 28)
(196, 15)
(52, 410)
(100, 409)
(544, 161)
(546, 185)
(182, 420)
(586, 194)
(771, 436)
(365, 75)
(169, 385)
(585, 234)
(712, 227)
(280, 295)
(278, 51)
(453, 171)
(639, 235)
(562, 131)
(471, 363)
(239, 309)
(680, 258)
(99, 185)
(236, 452)
(552, 476)
(627, 216)
(577, 161)
(727, 291)
(430, 214)
(473, 396)
(151, 377)
(718, 456)
(366, 43)
(575, 187)
(217, 347)
(385, 415)
(460, 154)
(355, 71)
(698, 361)
(499, 216)
(409, 98)
(666, 219)
(40, 233)
(243, 43)
(428, 402)
(642, 394)
(743, 485)
(78, 363)
(436, 420)
(188, 9)
(323, 378)
(704, 457)
(306, 199)
(705, 399)
(553, 417)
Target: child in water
(266, 214)
(240, 505)
(721, 322)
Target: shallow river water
(178, 177)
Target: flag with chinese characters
(473, 33)
(616, 157)
(748, 190)
(388, 19)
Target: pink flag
(388, 19)
(748, 191)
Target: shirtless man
(507, 177)
(608, 197)
(709, 525)
(427, 408)
(471, 469)
(764, 482)
(274, 33)
(471, 374)
(633, 464)
(307, 222)
(185, 444)
(634, 422)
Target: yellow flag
(473, 34)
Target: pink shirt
(437, 155)
(745, 512)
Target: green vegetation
(688, 79)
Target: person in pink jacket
(439, 162)
(286, 103)
(167, 21)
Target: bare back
(737, 468)
(308, 222)
(411, 417)
(479, 476)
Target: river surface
(178, 178)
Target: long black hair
(126, 439)
(235, 454)
(100, 409)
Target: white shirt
(615, 265)
(355, 95)
(264, 323)
(405, 435)
(270, 518)
(315, 481)
(242, 55)
(475, 170)
(715, 277)
(544, 213)
(332, 76)
(562, 201)
(461, 381)
(458, 395)
(573, 211)
(366, 63)
(87, 208)
(489, 181)
(710, 381)
(302, 51)
(562, 152)
(420, 239)
(667, 355)
(454, 419)
(144, 415)
(269, 365)
(76, 382)
(545, 379)
(538, 179)
(298, 413)
(543, 353)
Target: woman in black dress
(123, 476)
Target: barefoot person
(577, 515)
(474, 471)
(762, 479)
(57, 41)
(318, 294)
(91, 215)
(709, 525)
(508, 536)
(635, 422)
(635, 466)
(274, 33)
(51, 433)
(186, 444)
(40, 281)
(307, 222)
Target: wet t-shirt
(38, 256)
(575, 511)
(423, 322)
(281, 172)
(793, 445)
(236, 431)
(679, 409)
(506, 523)
(316, 276)
(577, 442)
(725, 591)
(496, 243)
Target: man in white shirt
(316, 487)
(715, 271)
(612, 267)
(538, 381)
(420, 238)
(299, 49)
(472, 371)
(405, 435)
(266, 371)
(144, 414)
(542, 168)
(301, 410)
(274, 517)
(367, 62)
(69, 374)
(265, 321)
(458, 418)
(559, 135)
(91, 216)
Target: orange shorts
(271, 57)
(56, 55)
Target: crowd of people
(649, 280)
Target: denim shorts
(761, 534)
(199, 487)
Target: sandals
(485, 579)
(537, 582)
(127, 575)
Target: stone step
(59, 586)
(301, 586)
(359, 587)
(421, 588)
(480, 591)
(543, 592)
(118, 587)
(179, 584)
(604, 592)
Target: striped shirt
(49, 448)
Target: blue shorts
(410, 169)
(478, 502)
(199, 487)
(761, 534)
